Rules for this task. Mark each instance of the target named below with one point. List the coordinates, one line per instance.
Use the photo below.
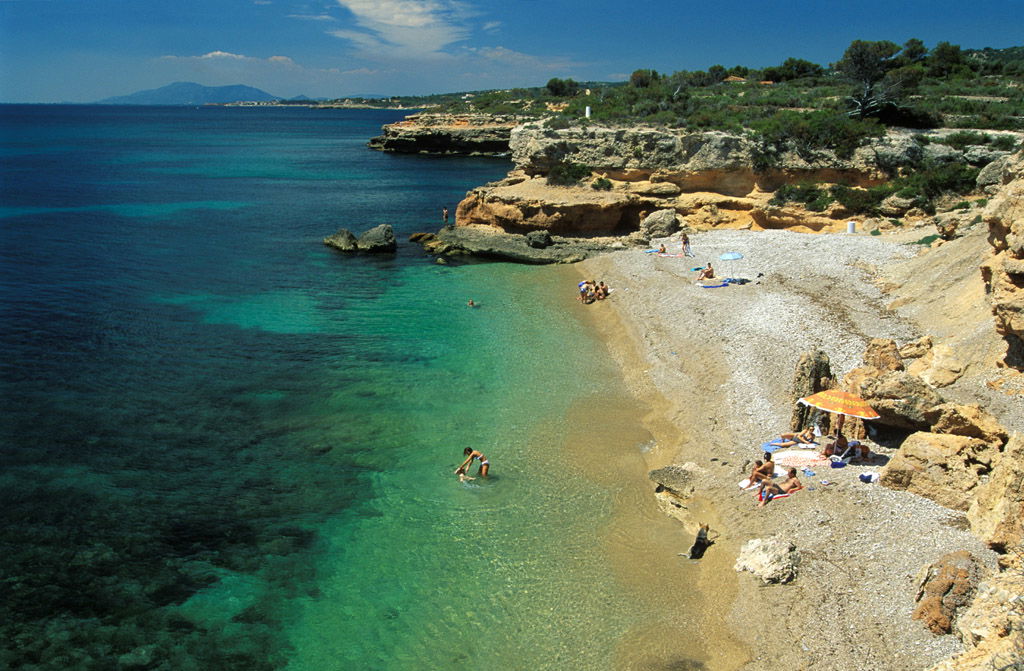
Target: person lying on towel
(805, 437)
(770, 490)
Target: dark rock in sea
(379, 239)
(343, 240)
(538, 239)
(422, 237)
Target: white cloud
(518, 59)
(404, 29)
(312, 17)
(491, 26)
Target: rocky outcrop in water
(535, 247)
(379, 239)
(447, 135)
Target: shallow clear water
(227, 446)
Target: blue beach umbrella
(731, 256)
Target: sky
(86, 50)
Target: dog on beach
(701, 543)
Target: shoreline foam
(721, 362)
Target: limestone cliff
(712, 179)
(447, 135)
(1003, 272)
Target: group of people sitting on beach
(763, 476)
(591, 291)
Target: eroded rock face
(997, 513)
(939, 366)
(946, 588)
(813, 374)
(942, 467)
(771, 559)
(992, 629)
(966, 420)
(883, 354)
(660, 224)
(901, 399)
(1004, 271)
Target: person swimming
(471, 456)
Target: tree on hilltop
(914, 51)
(865, 64)
(643, 79)
(562, 88)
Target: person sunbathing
(805, 437)
(706, 273)
(770, 490)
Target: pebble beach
(715, 366)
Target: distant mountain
(189, 93)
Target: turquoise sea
(225, 446)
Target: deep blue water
(226, 446)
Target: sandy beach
(714, 368)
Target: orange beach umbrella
(841, 403)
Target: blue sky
(84, 50)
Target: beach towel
(772, 497)
(770, 446)
(797, 458)
(713, 286)
(671, 255)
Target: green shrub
(932, 180)
(601, 184)
(860, 201)
(1004, 143)
(557, 123)
(962, 205)
(927, 240)
(981, 202)
(922, 140)
(567, 173)
(876, 231)
(813, 197)
(807, 133)
(963, 139)
(896, 222)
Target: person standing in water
(444, 215)
(471, 456)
